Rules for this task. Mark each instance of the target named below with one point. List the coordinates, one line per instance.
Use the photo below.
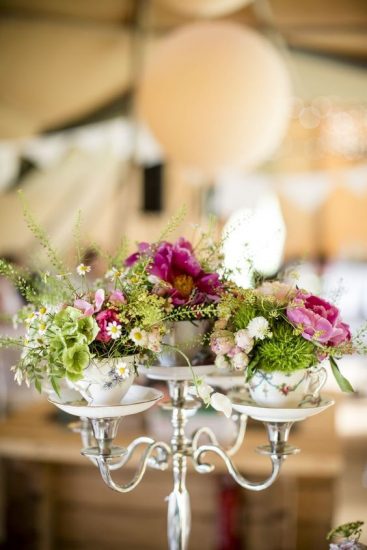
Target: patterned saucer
(242, 403)
(137, 399)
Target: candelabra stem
(179, 513)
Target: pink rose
(103, 318)
(318, 319)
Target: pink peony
(177, 265)
(103, 318)
(318, 320)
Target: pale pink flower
(117, 297)
(222, 341)
(244, 340)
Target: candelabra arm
(130, 449)
(245, 483)
(239, 419)
(105, 467)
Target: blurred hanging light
(254, 240)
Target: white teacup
(278, 389)
(106, 381)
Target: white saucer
(245, 405)
(175, 373)
(137, 399)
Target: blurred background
(252, 111)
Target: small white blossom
(221, 403)
(83, 269)
(18, 376)
(139, 336)
(258, 328)
(244, 340)
(114, 330)
(240, 361)
(221, 362)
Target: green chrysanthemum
(285, 351)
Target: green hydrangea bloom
(75, 359)
(67, 320)
(88, 327)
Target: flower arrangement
(279, 328)
(68, 323)
(71, 323)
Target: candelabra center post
(179, 513)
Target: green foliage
(351, 530)
(44, 241)
(19, 280)
(173, 224)
(285, 351)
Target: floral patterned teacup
(278, 389)
(106, 381)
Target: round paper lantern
(216, 95)
(204, 8)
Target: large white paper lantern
(204, 8)
(216, 95)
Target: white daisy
(83, 269)
(31, 316)
(42, 327)
(43, 312)
(123, 370)
(114, 274)
(114, 330)
(258, 328)
(139, 336)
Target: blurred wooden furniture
(54, 498)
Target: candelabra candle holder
(98, 428)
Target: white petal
(221, 403)
(204, 391)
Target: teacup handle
(317, 381)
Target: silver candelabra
(98, 436)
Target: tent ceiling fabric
(43, 83)
(71, 185)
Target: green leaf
(250, 371)
(55, 386)
(38, 385)
(343, 383)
